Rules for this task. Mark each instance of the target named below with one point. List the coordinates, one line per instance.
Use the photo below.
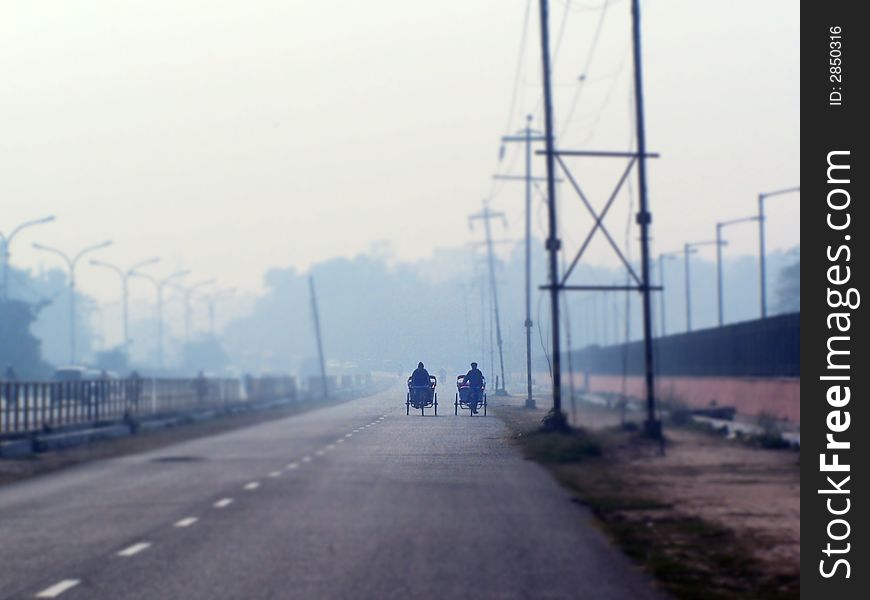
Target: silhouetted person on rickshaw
(420, 381)
(474, 380)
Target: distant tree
(788, 289)
(204, 355)
(19, 348)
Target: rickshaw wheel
(456, 406)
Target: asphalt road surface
(350, 501)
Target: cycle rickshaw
(465, 397)
(421, 397)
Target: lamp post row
(71, 262)
(719, 242)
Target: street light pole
(159, 284)
(125, 276)
(187, 292)
(212, 299)
(720, 286)
(7, 241)
(761, 251)
(672, 256)
(687, 250)
(71, 265)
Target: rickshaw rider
(420, 380)
(474, 380)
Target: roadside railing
(32, 406)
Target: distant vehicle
(76, 383)
(70, 373)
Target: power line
(584, 74)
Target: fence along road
(30, 407)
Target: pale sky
(230, 137)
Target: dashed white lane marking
(134, 549)
(320, 452)
(275, 474)
(58, 588)
(330, 446)
(223, 503)
(292, 466)
(306, 459)
(252, 486)
(348, 435)
(339, 441)
(186, 522)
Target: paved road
(350, 501)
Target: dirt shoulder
(13, 470)
(711, 518)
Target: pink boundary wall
(780, 397)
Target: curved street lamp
(159, 284)
(125, 277)
(7, 241)
(71, 263)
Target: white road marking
(330, 447)
(341, 441)
(320, 452)
(275, 474)
(134, 549)
(223, 503)
(306, 459)
(348, 435)
(252, 486)
(293, 465)
(186, 522)
(58, 588)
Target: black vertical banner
(835, 421)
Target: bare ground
(712, 517)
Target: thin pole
(688, 290)
(492, 283)
(553, 243)
(316, 317)
(530, 402)
(719, 271)
(72, 314)
(160, 325)
(662, 297)
(761, 254)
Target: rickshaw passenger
(420, 381)
(474, 380)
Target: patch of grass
(557, 447)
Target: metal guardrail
(32, 406)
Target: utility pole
(653, 426)
(315, 315)
(71, 263)
(719, 243)
(125, 292)
(528, 136)
(556, 419)
(7, 241)
(761, 250)
(486, 215)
